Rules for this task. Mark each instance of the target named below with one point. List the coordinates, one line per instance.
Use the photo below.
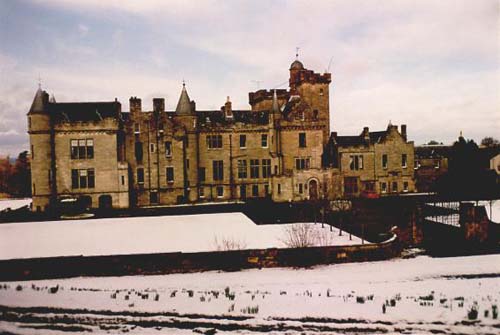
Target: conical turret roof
(184, 104)
(39, 102)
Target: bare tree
(303, 235)
(227, 244)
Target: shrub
(19, 288)
(360, 300)
(472, 313)
(250, 310)
(494, 311)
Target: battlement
(260, 95)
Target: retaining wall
(165, 263)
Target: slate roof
(84, 111)
(184, 105)
(243, 116)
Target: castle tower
(41, 135)
(313, 88)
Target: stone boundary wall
(165, 263)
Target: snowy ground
(135, 235)
(422, 295)
(13, 203)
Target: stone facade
(374, 164)
(275, 150)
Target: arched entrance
(105, 202)
(313, 189)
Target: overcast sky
(434, 65)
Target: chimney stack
(366, 133)
(135, 105)
(158, 105)
(403, 131)
(228, 110)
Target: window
(201, 192)
(315, 115)
(266, 168)
(301, 188)
(242, 168)
(218, 170)
(437, 165)
(369, 186)
(321, 92)
(201, 174)
(302, 140)
(350, 185)
(405, 186)
(243, 141)
(170, 174)
(417, 165)
(383, 187)
(29, 121)
(395, 186)
(123, 180)
(214, 141)
(263, 140)
(404, 161)
(384, 161)
(91, 178)
(152, 147)
(243, 191)
(138, 151)
(266, 189)
(356, 162)
(82, 178)
(220, 191)
(82, 149)
(187, 164)
(168, 149)
(153, 197)
(74, 178)
(140, 175)
(279, 188)
(32, 152)
(254, 168)
(302, 163)
(137, 128)
(255, 190)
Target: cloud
(432, 65)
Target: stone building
(141, 158)
(373, 163)
(431, 162)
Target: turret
(184, 106)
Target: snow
(160, 234)
(493, 211)
(13, 203)
(285, 295)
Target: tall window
(137, 128)
(242, 168)
(383, 187)
(82, 149)
(350, 185)
(214, 141)
(201, 174)
(405, 186)
(168, 149)
(152, 147)
(302, 140)
(255, 190)
(266, 168)
(170, 174)
(220, 191)
(82, 178)
(263, 140)
(302, 163)
(138, 151)
(404, 160)
(301, 188)
(395, 186)
(279, 188)
(243, 141)
(140, 175)
(356, 162)
(254, 168)
(218, 170)
(384, 161)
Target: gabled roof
(184, 105)
(84, 111)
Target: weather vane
(297, 52)
(39, 81)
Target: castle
(280, 149)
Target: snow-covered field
(13, 203)
(422, 295)
(135, 235)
